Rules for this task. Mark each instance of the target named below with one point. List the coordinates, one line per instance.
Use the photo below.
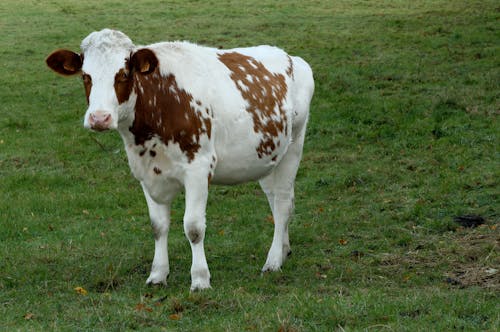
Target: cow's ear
(143, 61)
(65, 62)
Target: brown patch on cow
(165, 110)
(212, 164)
(123, 85)
(209, 177)
(289, 70)
(152, 153)
(157, 170)
(274, 158)
(87, 83)
(265, 93)
(142, 152)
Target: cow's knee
(194, 230)
(194, 235)
(159, 229)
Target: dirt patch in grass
(464, 258)
(476, 260)
(465, 276)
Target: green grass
(403, 136)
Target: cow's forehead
(105, 50)
(104, 63)
(105, 41)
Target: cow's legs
(281, 203)
(160, 221)
(279, 189)
(194, 227)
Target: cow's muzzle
(100, 120)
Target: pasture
(402, 138)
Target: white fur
(233, 141)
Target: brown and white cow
(191, 116)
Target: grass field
(403, 136)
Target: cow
(191, 116)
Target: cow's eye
(122, 76)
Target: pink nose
(99, 120)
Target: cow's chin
(99, 128)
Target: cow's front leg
(160, 222)
(194, 228)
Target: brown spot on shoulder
(265, 93)
(172, 118)
(157, 170)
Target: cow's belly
(229, 173)
(238, 160)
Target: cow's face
(107, 65)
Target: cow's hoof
(155, 279)
(271, 268)
(156, 283)
(199, 286)
(200, 279)
(273, 263)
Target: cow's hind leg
(160, 221)
(281, 206)
(279, 189)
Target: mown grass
(403, 136)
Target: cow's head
(108, 64)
